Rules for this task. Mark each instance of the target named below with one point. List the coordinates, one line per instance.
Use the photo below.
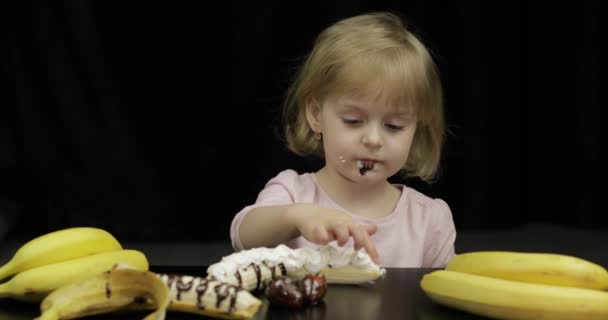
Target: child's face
(368, 131)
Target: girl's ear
(313, 114)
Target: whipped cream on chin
(312, 259)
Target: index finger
(362, 239)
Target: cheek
(401, 148)
(335, 145)
(399, 154)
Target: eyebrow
(401, 114)
(348, 106)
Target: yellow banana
(506, 299)
(546, 268)
(34, 284)
(59, 246)
(105, 293)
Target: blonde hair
(374, 46)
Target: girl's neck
(358, 198)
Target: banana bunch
(55, 259)
(521, 285)
(255, 268)
(106, 292)
(59, 246)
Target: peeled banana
(253, 269)
(59, 246)
(343, 274)
(36, 283)
(209, 297)
(545, 268)
(107, 292)
(507, 299)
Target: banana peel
(111, 291)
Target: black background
(160, 120)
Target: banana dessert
(209, 297)
(253, 269)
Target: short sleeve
(441, 236)
(277, 191)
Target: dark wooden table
(396, 296)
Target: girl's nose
(372, 137)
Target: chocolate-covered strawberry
(313, 288)
(284, 291)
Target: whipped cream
(312, 259)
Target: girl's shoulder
(292, 176)
(420, 202)
(293, 181)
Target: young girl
(368, 100)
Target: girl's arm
(272, 225)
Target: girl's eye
(394, 127)
(351, 121)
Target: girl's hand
(322, 225)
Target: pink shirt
(419, 232)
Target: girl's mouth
(365, 165)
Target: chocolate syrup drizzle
(274, 271)
(258, 274)
(223, 291)
(239, 278)
(283, 270)
(200, 291)
(170, 279)
(182, 286)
